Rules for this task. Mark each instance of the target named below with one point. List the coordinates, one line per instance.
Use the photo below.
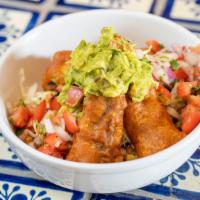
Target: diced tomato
(74, 96)
(40, 111)
(194, 100)
(31, 108)
(70, 122)
(25, 136)
(196, 49)
(164, 91)
(49, 150)
(154, 78)
(59, 88)
(37, 113)
(196, 73)
(55, 119)
(64, 147)
(30, 123)
(190, 118)
(54, 104)
(155, 45)
(180, 57)
(193, 83)
(183, 89)
(181, 75)
(54, 146)
(20, 117)
(53, 140)
(46, 149)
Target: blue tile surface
(10, 26)
(158, 189)
(11, 9)
(7, 190)
(138, 5)
(76, 5)
(28, 187)
(31, 1)
(184, 183)
(183, 11)
(185, 194)
(192, 165)
(53, 14)
(196, 32)
(119, 196)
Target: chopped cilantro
(174, 64)
(21, 102)
(52, 85)
(178, 125)
(197, 88)
(161, 46)
(40, 129)
(146, 60)
(18, 132)
(161, 78)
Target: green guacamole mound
(108, 68)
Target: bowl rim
(94, 167)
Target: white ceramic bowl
(32, 52)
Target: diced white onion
(62, 123)
(188, 69)
(139, 53)
(34, 126)
(177, 49)
(31, 133)
(173, 91)
(32, 91)
(38, 141)
(32, 144)
(192, 58)
(161, 65)
(173, 112)
(62, 133)
(59, 130)
(160, 70)
(49, 128)
(58, 143)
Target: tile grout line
(87, 196)
(42, 8)
(160, 6)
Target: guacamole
(108, 68)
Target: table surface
(16, 181)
